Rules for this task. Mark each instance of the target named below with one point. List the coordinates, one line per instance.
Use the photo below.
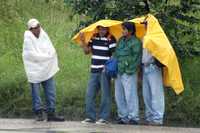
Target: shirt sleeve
(112, 44)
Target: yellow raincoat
(154, 40)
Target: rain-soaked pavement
(30, 126)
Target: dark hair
(130, 26)
(102, 27)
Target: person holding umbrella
(101, 47)
(152, 87)
(159, 65)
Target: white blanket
(39, 57)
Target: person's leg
(130, 86)
(146, 94)
(93, 86)
(105, 106)
(50, 95)
(120, 100)
(157, 92)
(36, 100)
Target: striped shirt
(102, 48)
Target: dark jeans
(49, 90)
(97, 81)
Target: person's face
(125, 31)
(102, 31)
(36, 31)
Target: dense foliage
(180, 18)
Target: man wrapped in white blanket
(41, 64)
(40, 58)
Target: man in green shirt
(128, 54)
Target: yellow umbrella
(114, 28)
(159, 46)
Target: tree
(180, 19)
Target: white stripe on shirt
(100, 57)
(104, 38)
(97, 66)
(101, 38)
(100, 47)
(112, 45)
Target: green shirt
(128, 54)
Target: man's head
(128, 28)
(102, 30)
(34, 27)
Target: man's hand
(86, 49)
(82, 37)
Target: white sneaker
(87, 120)
(101, 122)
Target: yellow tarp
(114, 28)
(159, 46)
(155, 41)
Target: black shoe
(53, 117)
(133, 122)
(120, 121)
(39, 115)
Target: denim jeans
(98, 81)
(49, 90)
(153, 94)
(126, 97)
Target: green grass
(72, 77)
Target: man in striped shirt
(101, 47)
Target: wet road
(30, 126)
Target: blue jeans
(49, 90)
(153, 93)
(126, 97)
(97, 81)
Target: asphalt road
(30, 126)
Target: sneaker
(101, 122)
(88, 120)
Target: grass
(71, 79)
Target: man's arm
(29, 52)
(84, 45)
(112, 44)
(137, 51)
